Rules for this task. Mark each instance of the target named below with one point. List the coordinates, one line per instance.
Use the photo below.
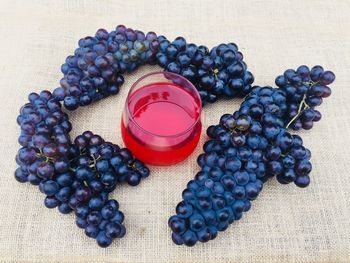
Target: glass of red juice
(161, 122)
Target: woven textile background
(285, 224)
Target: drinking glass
(161, 122)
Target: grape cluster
(98, 167)
(245, 149)
(305, 90)
(94, 71)
(227, 183)
(74, 176)
(216, 73)
(44, 138)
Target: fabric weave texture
(285, 224)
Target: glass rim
(173, 74)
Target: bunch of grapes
(95, 168)
(245, 149)
(305, 90)
(94, 71)
(230, 178)
(233, 169)
(74, 176)
(216, 73)
(44, 139)
(98, 167)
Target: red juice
(161, 123)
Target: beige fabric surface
(285, 224)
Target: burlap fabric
(285, 224)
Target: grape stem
(94, 160)
(302, 103)
(41, 155)
(310, 83)
(215, 72)
(302, 107)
